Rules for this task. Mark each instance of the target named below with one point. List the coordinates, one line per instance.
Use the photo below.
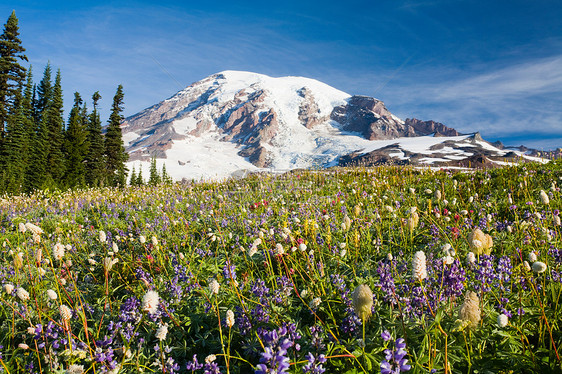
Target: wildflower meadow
(351, 270)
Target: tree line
(38, 149)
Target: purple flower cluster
(275, 358)
(394, 360)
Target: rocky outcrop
(370, 118)
(309, 113)
(430, 127)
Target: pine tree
(94, 157)
(36, 173)
(165, 177)
(154, 178)
(14, 148)
(44, 94)
(115, 155)
(140, 180)
(75, 145)
(53, 124)
(133, 177)
(12, 74)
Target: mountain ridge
(241, 120)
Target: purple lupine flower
(314, 365)
(394, 360)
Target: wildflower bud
(22, 294)
(532, 257)
(102, 236)
(544, 198)
(23, 346)
(480, 242)
(526, 266)
(162, 332)
(419, 269)
(9, 288)
(115, 247)
(150, 302)
(214, 286)
(315, 303)
(389, 256)
(58, 251)
(502, 320)
(556, 220)
(210, 358)
(22, 227)
(539, 267)
(413, 221)
(229, 318)
(18, 260)
(362, 301)
(38, 255)
(437, 195)
(470, 309)
(52, 295)
(65, 312)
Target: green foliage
(298, 245)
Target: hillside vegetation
(338, 271)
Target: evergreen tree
(133, 177)
(37, 171)
(53, 123)
(154, 178)
(14, 148)
(94, 157)
(165, 177)
(140, 180)
(75, 145)
(44, 94)
(115, 155)
(12, 74)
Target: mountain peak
(236, 120)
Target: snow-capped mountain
(236, 121)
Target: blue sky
(488, 66)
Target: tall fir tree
(12, 74)
(44, 93)
(94, 162)
(154, 177)
(75, 145)
(115, 155)
(37, 171)
(53, 123)
(14, 148)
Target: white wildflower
(154, 241)
(279, 249)
(58, 251)
(526, 266)
(150, 301)
(9, 288)
(471, 258)
(502, 320)
(302, 247)
(142, 239)
(22, 294)
(51, 294)
(229, 318)
(315, 303)
(108, 263)
(539, 267)
(65, 312)
(162, 331)
(214, 286)
(252, 251)
(23, 346)
(75, 369)
(532, 257)
(102, 236)
(544, 197)
(419, 269)
(362, 301)
(22, 227)
(36, 230)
